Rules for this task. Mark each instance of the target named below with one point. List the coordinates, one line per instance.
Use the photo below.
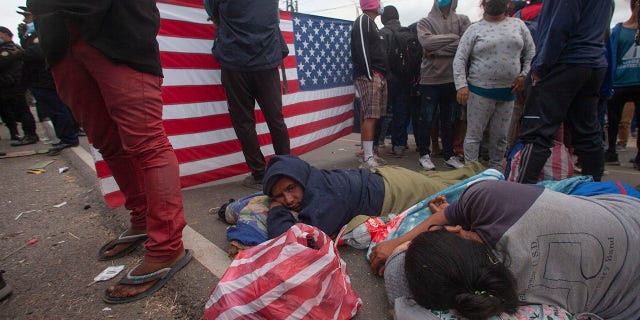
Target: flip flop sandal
(134, 241)
(162, 276)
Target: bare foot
(129, 290)
(122, 246)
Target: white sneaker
(370, 163)
(425, 162)
(453, 162)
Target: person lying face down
(329, 199)
(504, 244)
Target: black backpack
(405, 54)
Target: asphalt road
(66, 214)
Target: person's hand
(379, 255)
(438, 203)
(22, 27)
(463, 95)
(517, 85)
(274, 204)
(535, 78)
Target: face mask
(1, 41)
(442, 3)
(380, 10)
(495, 7)
(31, 28)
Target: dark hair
(389, 13)
(6, 30)
(445, 272)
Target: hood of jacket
(436, 11)
(285, 165)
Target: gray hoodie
(439, 35)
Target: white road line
(208, 254)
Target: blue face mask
(442, 3)
(380, 10)
(31, 28)
(1, 41)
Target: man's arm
(279, 220)
(383, 250)
(565, 16)
(433, 42)
(450, 49)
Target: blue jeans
(399, 98)
(63, 121)
(432, 97)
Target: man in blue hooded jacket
(329, 199)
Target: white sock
(368, 149)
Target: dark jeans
(63, 122)
(621, 96)
(243, 90)
(399, 98)
(434, 96)
(569, 94)
(14, 108)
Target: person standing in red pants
(105, 61)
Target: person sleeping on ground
(329, 199)
(505, 244)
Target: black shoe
(5, 289)
(2, 153)
(57, 147)
(15, 137)
(611, 159)
(30, 139)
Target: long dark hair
(445, 272)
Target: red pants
(121, 111)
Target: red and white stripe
(195, 110)
(284, 279)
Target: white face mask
(380, 10)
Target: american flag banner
(318, 106)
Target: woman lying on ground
(505, 244)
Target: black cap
(389, 13)
(6, 30)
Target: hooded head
(440, 5)
(285, 165)
(369, 5)
(389, 13)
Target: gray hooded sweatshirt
(439, 35)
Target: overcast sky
(410, 10)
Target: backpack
(405, 54)
(532, 25)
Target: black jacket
(124, 31)
(10, 67)
(367, 52)
(34, 69)
(248, 36)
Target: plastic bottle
(360, 237)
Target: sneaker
(27, 139)
(397, 152)
(453, 162)
(370, 163)
(425, 162)
(5, 288)
(252, 182)
(611, 159)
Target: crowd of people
(525, 68)
(482, 86)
